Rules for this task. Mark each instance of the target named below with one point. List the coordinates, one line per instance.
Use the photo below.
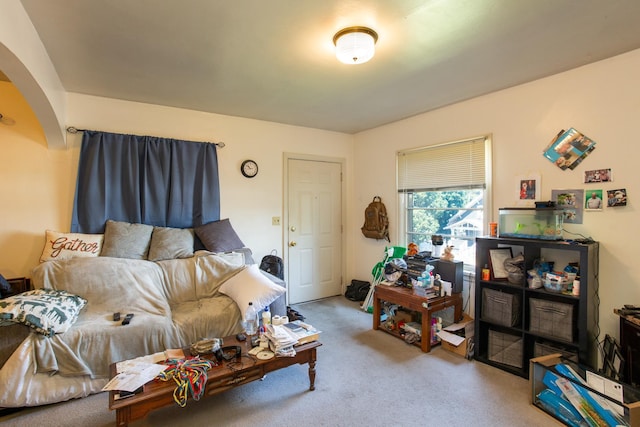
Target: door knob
(293, 228)
(292, 243)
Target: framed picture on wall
(571, 203)
(527, 189)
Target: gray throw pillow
(126, 240)
(219, 236)
(171, 243)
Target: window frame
(403, 194)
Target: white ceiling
(273, 60)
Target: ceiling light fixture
(355, 45)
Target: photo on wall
(569, 148)
(527, 189)
(598, 175)
(570, 201)
(617, 197)
(593, 200)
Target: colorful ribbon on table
(190, 376)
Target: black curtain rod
(74, 130)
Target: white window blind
(453, 165)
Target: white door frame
(285, 208)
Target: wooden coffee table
(157, 394)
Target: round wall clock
(249, 168)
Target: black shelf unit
(584, 306)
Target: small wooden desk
(405, 297)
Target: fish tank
(531, 223)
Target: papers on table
(282, 338)
(134, 377)
(134, 373)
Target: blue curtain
(157, 181)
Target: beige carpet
(364, 378)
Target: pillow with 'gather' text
(59, 245)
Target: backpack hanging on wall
(273, 264)
(376, 222)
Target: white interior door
(314, 229)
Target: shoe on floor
(294, 314)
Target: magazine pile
(284, 338)
(569, 148)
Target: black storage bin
(502, 308)
(505, 348)
(554, 319)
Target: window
(444, 190)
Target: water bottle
(251, 320)
(266, 317)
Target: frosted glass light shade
(355, 45)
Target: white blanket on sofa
(174, 302)
(157, 293)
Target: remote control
(116, 317)
(127, 319)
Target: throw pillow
(219, 236)
(46, 311)
(59, 245)
(170, 243)
(250, 285)
(126, 240)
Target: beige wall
(600, 100)
(36, 186)
(38, 183)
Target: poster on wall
(571, 202)
(569, 148)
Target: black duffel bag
(357, 290)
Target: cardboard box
(403, 316)
(456, 338)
